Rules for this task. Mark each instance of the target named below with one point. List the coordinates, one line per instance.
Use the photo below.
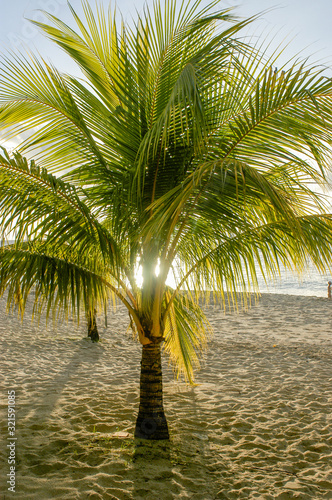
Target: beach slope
(257, 425)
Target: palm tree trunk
(151, 421)
(92, 326)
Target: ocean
(312, 283)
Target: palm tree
(92, 325)
(180, 148)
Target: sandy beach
(257, 425)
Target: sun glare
(170, 281)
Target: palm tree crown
(181, 147)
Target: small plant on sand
(180, 147)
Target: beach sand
(257, 425)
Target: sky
(304, 23)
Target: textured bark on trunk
(92, 326)
(151, 421)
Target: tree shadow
(165, 469)
(51, 391)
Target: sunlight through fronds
(181, 145)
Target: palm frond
(187, 331)
(181, 145)
(38, 206)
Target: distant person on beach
(329, 290)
